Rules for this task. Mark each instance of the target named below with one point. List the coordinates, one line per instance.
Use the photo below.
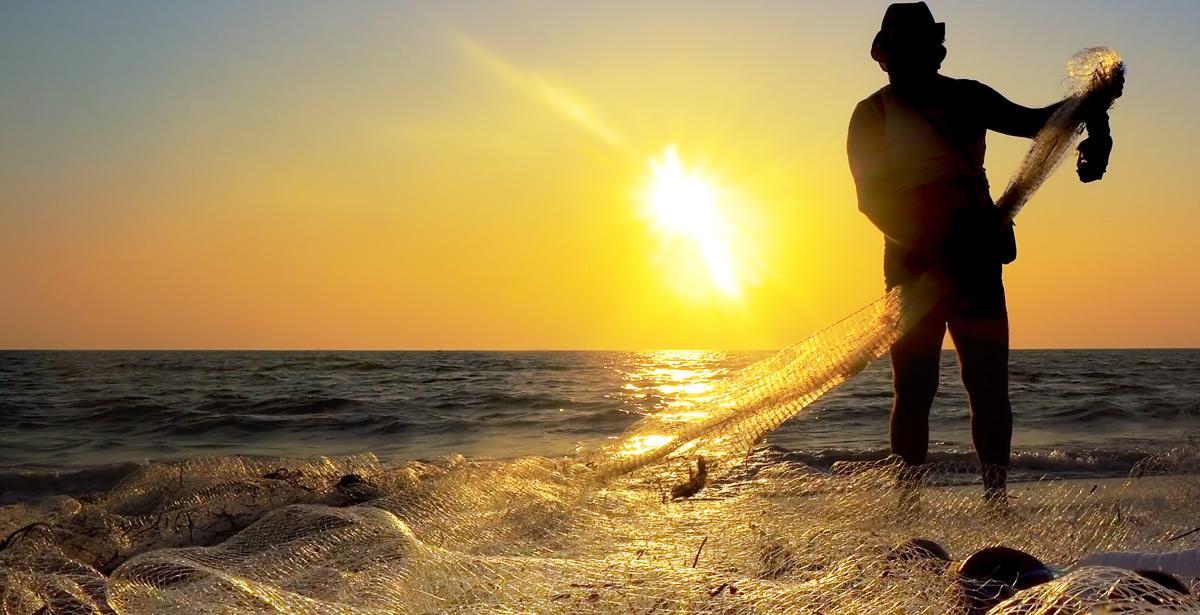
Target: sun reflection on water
(674, 386)
(679, 393)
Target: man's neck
(915, 88)
(911, 81)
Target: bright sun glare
(684, 204)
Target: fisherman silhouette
(916, 150)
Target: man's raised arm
(1006, 117)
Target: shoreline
(28, 484)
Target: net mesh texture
(685, 512)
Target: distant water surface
(76, 421)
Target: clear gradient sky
(471, 174)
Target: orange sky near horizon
(471, 176)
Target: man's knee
(917, 376)
(985, 380)
(916, 391)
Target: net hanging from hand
(680, 514)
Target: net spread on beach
(683, 513)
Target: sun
(685, 205)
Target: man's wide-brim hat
(905, 24)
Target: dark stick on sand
(1187, 533)
(697, 558)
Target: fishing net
(538, 535)
(686, 512)
(1092, 75)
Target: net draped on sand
(683, 513)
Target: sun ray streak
(555, 97)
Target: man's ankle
(910, 476)
(995, 481)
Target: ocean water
(76, 422)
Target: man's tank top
(918, 153)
